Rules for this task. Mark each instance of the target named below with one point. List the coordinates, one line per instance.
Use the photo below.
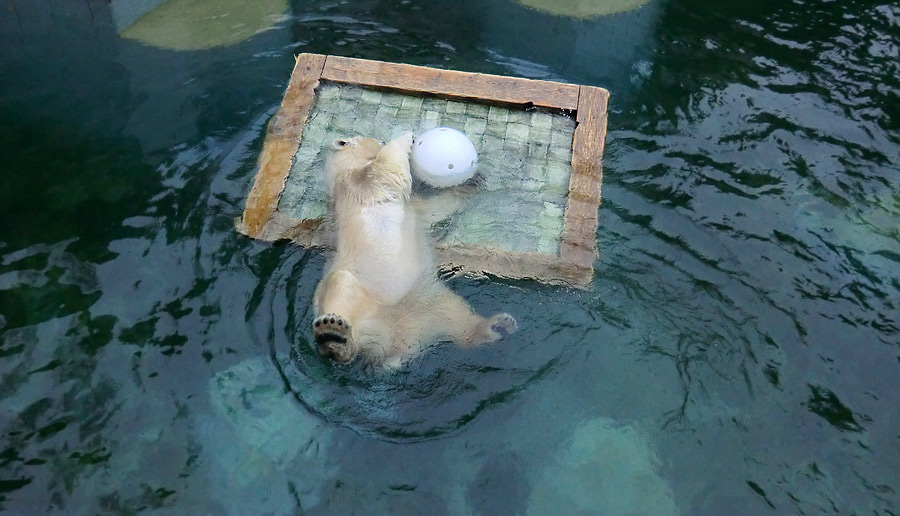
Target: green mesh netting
(524, 158)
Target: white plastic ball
(443, 157)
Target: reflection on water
(583, 8)
(195, 24)
(739, 346)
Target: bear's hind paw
(503, 325)
(332, 336)
(496, 328)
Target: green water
(737, 353)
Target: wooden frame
(578, 249)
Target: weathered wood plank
(579, 241)
(282, 141)
(451, 83)
(578, 247)
(590, 132)
(461, 258)
(470, 258)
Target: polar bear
(380, 295)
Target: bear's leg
(393, 158)
(437, 207)
(342, 301)
(396, 151)
(455, 319)
(446, 202)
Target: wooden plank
(460, 258)
(590, 131)
(579, 241)
(451, 83)
(508, 264)
(282, 141)
(578, 247)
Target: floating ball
(443, 157)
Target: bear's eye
(340, 144)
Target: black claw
(340, 322)
(331, 320)
(318, 323)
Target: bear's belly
(390, 258)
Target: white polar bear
(380, 295)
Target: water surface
(737, 353)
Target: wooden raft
(577, 250)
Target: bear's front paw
(332, 336)
(404, 141)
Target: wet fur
(380, 295)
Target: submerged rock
(196, 24)
(271, 450)
(604, 469)
(252, 398)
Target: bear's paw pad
(332, 336)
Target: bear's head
(363, 170)
(349, 155)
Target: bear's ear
(340, 143)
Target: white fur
(392, 263)
(380, 295)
